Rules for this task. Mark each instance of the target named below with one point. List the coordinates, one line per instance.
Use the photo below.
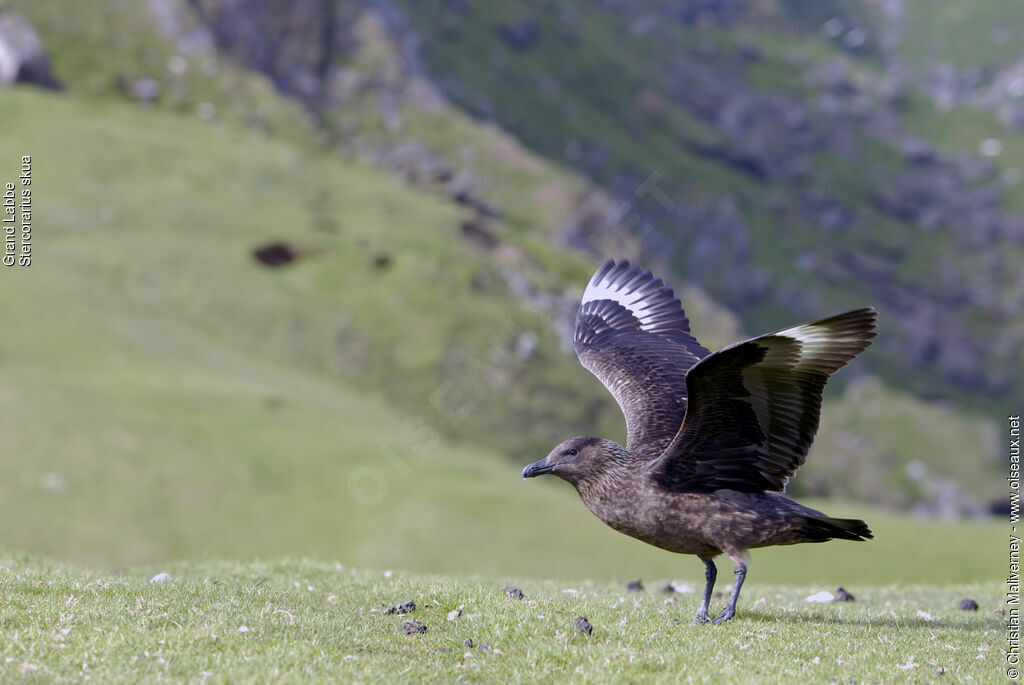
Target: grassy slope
(212, 397)
(451, 343)
(535, 196)
(299, 620)
(935, 35)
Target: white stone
(822, 597)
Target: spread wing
(754, 406)
(632, 334)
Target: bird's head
(574, 460)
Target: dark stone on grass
(476, 234)
(275, 255)
(842, 595)
(668, 588)
(635, 585)
(469, 643)
(403, 608)
(143, 88)
(413, 627)
(999, 507)
(520, 35)
(512, 592)
(583, 625)
(968, 605)
(23, 57)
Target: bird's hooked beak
(537, 468)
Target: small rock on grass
(413, 627)
(635, 585)
(823, 596)
(455, 613)
(160, 578)
(670, 588)
(512, 592)
(469, 643)
(968, 605)
(583, 625)
(841, 595)
(403, 608)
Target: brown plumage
(711, 438)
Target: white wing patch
(640, 295)
(821, 337)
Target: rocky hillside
(782, 163)
(810, 157)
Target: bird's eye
(571, 452)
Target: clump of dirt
(274, 255)
(583, 625)
(413, 627)
(403, 608)
(635, 585)
(477, 234)
(841, 595)
(512, 592)
(968, 605)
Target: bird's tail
(822, 528)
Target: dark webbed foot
(726, 615)
(701, 617)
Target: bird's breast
(678, 522)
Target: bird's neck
(619, 466)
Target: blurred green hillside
(167, 395)
(810, 156)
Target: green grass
(297, 620)
(932, 34)
(962, 131)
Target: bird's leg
(710, 573)
(730, 608)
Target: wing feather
(754, 406)
(631, 332)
